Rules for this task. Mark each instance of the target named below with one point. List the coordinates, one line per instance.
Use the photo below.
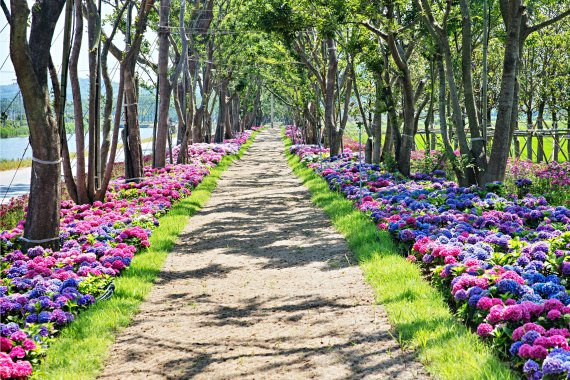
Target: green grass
(13, 129)
(14, 164)
(548, 144)
(548, 141)
(421, 317)
(82, 347)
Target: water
(13, 148)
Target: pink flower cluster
(309, 153)
(294, 133)
(15, 345)
(43, 289)
(556, 173)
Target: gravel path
(260, 286)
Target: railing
(533, 144)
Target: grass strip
(421, 317)
(82, 347)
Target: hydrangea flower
(99, 241)
(504, 259)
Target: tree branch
(118, 54)
(6, 11)
(544, 24)
(375, 30)
(308, 63)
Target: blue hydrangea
(530, 337)
(70, 282)
(44, 317)
(474, 299)
(515, 348)
(530, 366)
(509, 286)
(552, 366)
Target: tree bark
(81, 180)
(376, 125)
(94, 113)
(134, 165)
(219, 137)
(501, 141)
(108, 108)
(443, 123)
(227, 117)
(405, 147)
(235, 112)
(164, 86)
(30, 59)
(539, 125)
(529, 126)
(100, 195)
(392, 122)
(330, 127)
(477, 143)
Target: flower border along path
(418, 311)
(80, 349)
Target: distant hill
(8, 91)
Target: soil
(260, 286)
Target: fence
(533, 144)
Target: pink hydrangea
(484, 329)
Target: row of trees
(391, 64)
(455, 63)
(213, 85)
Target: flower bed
(502, 261)
(41, 290)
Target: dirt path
(260, 286)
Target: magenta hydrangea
(99, 241)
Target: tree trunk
(219, 137)
(556, 138)
(164, 87)
(188, 116)
(227, 118)
(311, 111)
(81, 180)
(134, 166)
(256, 104)
(376, 125)
(330, 127)
(30, 61)
(235, 112)
(59, 94)
(392, 118)
(501, 141)
(179, 105)
(391, 126)
(477, 143)
(443, 123)
(100, 196)
(529, 128)
(197, 124)
(108, 109)
(539, 125)
(94, 113)
(409, 126)
(457, 117)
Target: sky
(7, 75)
